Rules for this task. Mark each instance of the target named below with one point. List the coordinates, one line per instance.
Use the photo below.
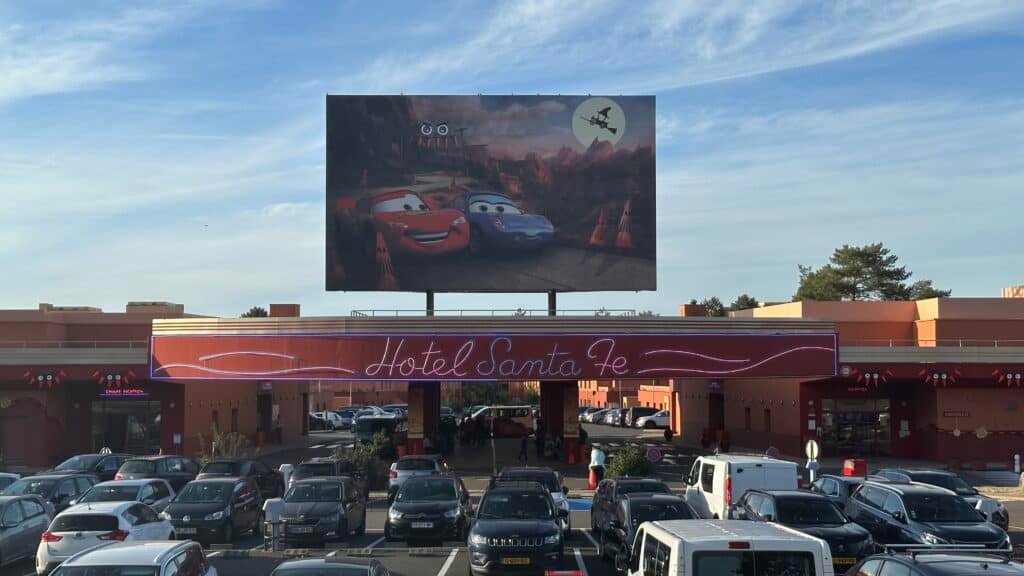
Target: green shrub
(372, 459)
(630, 461)
(229, 445)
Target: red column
(559, 402)
(415, 421)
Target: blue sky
(175, 151)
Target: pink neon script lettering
(618, 365)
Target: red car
(409, 226)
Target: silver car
(155, 492)
(23, 519)
(408, 466)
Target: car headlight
(215, 515)
(553, 539)
(478, 539)
(459, 220)
(453, 513)
(932, 539)
(165, 516)
(394, 514)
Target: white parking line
(374, 543)
(317, 446)
(210, 555)
(589, 537)
(448, 562)
(579, 561)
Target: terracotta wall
(781, 398)
(654, 396)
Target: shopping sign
(431, 357)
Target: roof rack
(914, 550)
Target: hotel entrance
(130, 426)
(860, 426)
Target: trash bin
(855, 467)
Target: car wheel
(387, 532)
(362, 526)
(229, 532)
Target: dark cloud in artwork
(514, 126)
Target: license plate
(185, 530)
(419, 525)
(844, 561)
(300, 529)
(515, 561)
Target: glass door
(854, 426)
(131, 426)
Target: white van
(717, 482)
(719, 547)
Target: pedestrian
(524, 443)
(597, 458)
(538, 438)
(556, 448)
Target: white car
(84, 526)
(154, 492)
(715, 483)
(656, 420)
(334, 421)
(140, 558)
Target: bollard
(1016, 463)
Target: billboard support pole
(552, 306)
(430, 302)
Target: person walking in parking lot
(597, 458)
(524, 444)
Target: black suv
(632, 511)
(836, 488)
(936, 563)
(810, 513)
(990, 507)
(177, 470)
(270, 481)
(515, 529)
(611, 490)
(921, 514)
(102, 466)
(328, 466)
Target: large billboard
(490, 193)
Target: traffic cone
(625, 238)
(597, 236)
(385, 270)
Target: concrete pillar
(424, 414)
(559, 407)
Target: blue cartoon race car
(497, 223)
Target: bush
(630, 461)
(371, 460)
(230, 445)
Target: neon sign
(426, 357)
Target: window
(767, 509)
(66, 489)
(893, 568)
(655, 560)
(661, 559)
(753, 502)
(746, 418)
(892, 504)
(234, 419)
(634, 559)
(160, 490)
(110, 464)
(147, 492)
(737, 563)
(869, 568)
(174, 564)
(31, 508)
(830, 487)
(767, 420)
(13, 515)
(707, 478)
(82, 484)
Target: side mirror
(621, 562)
(898, 515)
(72, 502)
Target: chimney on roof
(691, 310)
(284, 311)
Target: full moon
(600, 118)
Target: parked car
(399, 410)
(922, 514)
(720, 547)
(616, 535)
(316, 422)
(715, 483)
(145, 558)
(270, 481)
(497, 223)
(836, 488)
(153, 492)
(810, 513)
(431, 508)
(331, 420)
(329, 466)
(7, 478)
(216, 509)
(992, 509)
(368, 425)
(336, 566)
(347, 416)
(412, 466)
(177, 470)
(409, 225)
(319, 509)
(547, 478)
(635, 412)
(943, 562)
(657, 420)
(23, 519)
(57, 491)
(612, 417)
(516, 527)
(508, 421)
(87, 525)
(102, 466)
(611, 490)
(595, 417)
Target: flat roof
(717, 530)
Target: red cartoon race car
(410, 226)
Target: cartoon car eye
(423, 206)
(500, 209)
(426, 129)
(408, 207)
(442, 129)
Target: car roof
(315, 479)
(326, 563)
(910, 488)
(517, 487)
(156, 457)
(231, 460)
(737, 458)
(653, 497)
(56, 476)
(321, 460)
(151, 553)
(718, 530)
(525, 470)
(953, 564)
(791, 494)
(135, 482)
(98, 508)
(218, 480)
(420, 457)
(846, 479)
(635, 480)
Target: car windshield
(647, 486)
(346, 413)
(947, 481)
(30, 486)
(939, 508)
(641, 513)
(196, 492)
(334, 569)
(138, 467)
(316, 492)
(493, 204)
(110, 494)
(233, 468)
(420, 464)
(106, 571)
(427, 490)
(547, 480)
(84, 523)
(516, 505)
(81, 462)
(407, 203)
(808, 511)
(310, 470)
(743, 563)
